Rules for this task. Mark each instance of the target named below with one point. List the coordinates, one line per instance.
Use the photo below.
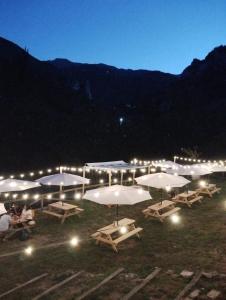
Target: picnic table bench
(161, 210)
(209, 190)
(112, 236)
(63, 210)
(187, 198)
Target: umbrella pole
(117, 214)
(161, 195)
(83, 186)
(121, 177)
(61, 187)
(109, 178)
(134, 175)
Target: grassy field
(198, 242)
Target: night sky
(138, 34)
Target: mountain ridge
(52, 114)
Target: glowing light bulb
(175, 219)
(28, 251)
(78, 196)
(202, 183)
(168, 188)
(74, 241)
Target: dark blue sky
(156, 35)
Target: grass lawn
(198, 242)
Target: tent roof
(118, 165)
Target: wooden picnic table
(161, 210)
(63, 210)
(111, 234)
(209, 190)
(187, 198)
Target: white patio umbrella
(213, 167)
(117, 195)
(190, 171)
(162, 181)
(2, 209)
(13, 185)
(63, 179)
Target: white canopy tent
(167, 165)
(117, 195)
(112, 166)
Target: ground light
(74, 241)
(175, 219)
(28, 251)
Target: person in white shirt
(5, 220)
(26, 215)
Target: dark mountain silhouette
(63, 112)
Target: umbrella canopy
(2, 209)
(13, 185)
(117, 195)
(168, 164)
(213, 167)
(162, 180)
(63, 179)
(191, 171)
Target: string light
(78, 195)
(62, 196)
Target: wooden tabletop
(186, 194)
(63, 206)
(210, 186)
(114, 228)
(159, 205)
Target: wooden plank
(56, 286)
(23, 285)
(189, 286)
(93, 289)
(127, 235)
(141, 285)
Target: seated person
(172, 194)
(27, 215)
(5, 221)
